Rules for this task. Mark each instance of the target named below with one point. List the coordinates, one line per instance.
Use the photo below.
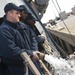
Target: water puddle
(61, 66)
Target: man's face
(31, 22)
(15, 16)
(23, 15)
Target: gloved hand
(41, 55)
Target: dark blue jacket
(14, 40)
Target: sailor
(13, 43)
(24, 13)
(25, 16)
(28, 19)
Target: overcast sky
(51, 11)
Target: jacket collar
(14, 25)
(22, 26)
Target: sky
(53, 11)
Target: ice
(60, 65)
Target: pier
(64, 34)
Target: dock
(63, 34)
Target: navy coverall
(14, 40)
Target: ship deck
(63, 34)
(65, 30)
